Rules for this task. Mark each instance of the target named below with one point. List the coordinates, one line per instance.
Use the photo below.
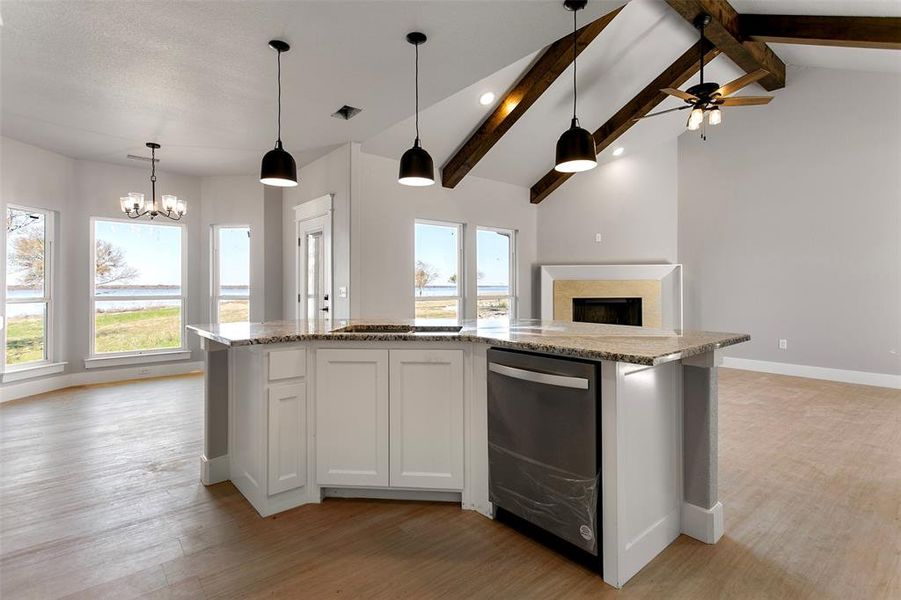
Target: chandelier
(170, 206)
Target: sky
(155, 251)
(436, 245)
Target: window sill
(20, 373)
(135, 359)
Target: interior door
(314, 268)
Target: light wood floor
(101, 499)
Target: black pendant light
(278, 168)
(416, 167)
(575, 148)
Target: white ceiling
(638, 44)
(95, 80)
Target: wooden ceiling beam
(847, 32)
(683, 69)
(553, 62)
(724, 31)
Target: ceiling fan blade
(737, 84)
(679, 94)
(662, 112)
(744, 101)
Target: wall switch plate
(342, 292)
(598, 238)
(783, 344)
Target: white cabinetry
(426, 419)
(352, 417)
(412, 440)
(287, 436)
(268, 426)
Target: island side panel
(214, 460)
(702, 513)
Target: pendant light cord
(575, 86)
(279, 137)
(416, 86)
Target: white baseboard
(213, 470)
(846, 376)
(703, 524)
(14, 391)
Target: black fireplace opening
(614, 311)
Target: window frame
(46, 299)
(460, 298)
(215, 258)
(513, 296)
(182, 298)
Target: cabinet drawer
(285, 364)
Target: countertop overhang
(636, 345)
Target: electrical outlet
(783, 344)
(598, 238)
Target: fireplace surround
(659, 288)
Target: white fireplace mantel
(669, 276)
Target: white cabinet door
(352, 417)
(287, 436)
(426, 427)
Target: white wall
(384, 214)
(32, 176)
(790, 223)
(327, 175)
(630, 201)
(241, 200)
(77, 190)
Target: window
(137, 287)
(29, 239)
(437, 285)
(496, 270)
(230, 274)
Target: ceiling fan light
(416, 167)
(715, 116)
(695, 119)
(575, 150)
(278, 168)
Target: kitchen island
(300, 410)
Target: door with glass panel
(230, 274)
(314, 276)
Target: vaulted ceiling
(96, 79)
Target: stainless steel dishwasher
(544, 451)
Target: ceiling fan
(706, 98)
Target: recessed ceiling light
(618, 151)
(486, 98)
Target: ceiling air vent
(346, 112)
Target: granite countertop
(638, 345)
